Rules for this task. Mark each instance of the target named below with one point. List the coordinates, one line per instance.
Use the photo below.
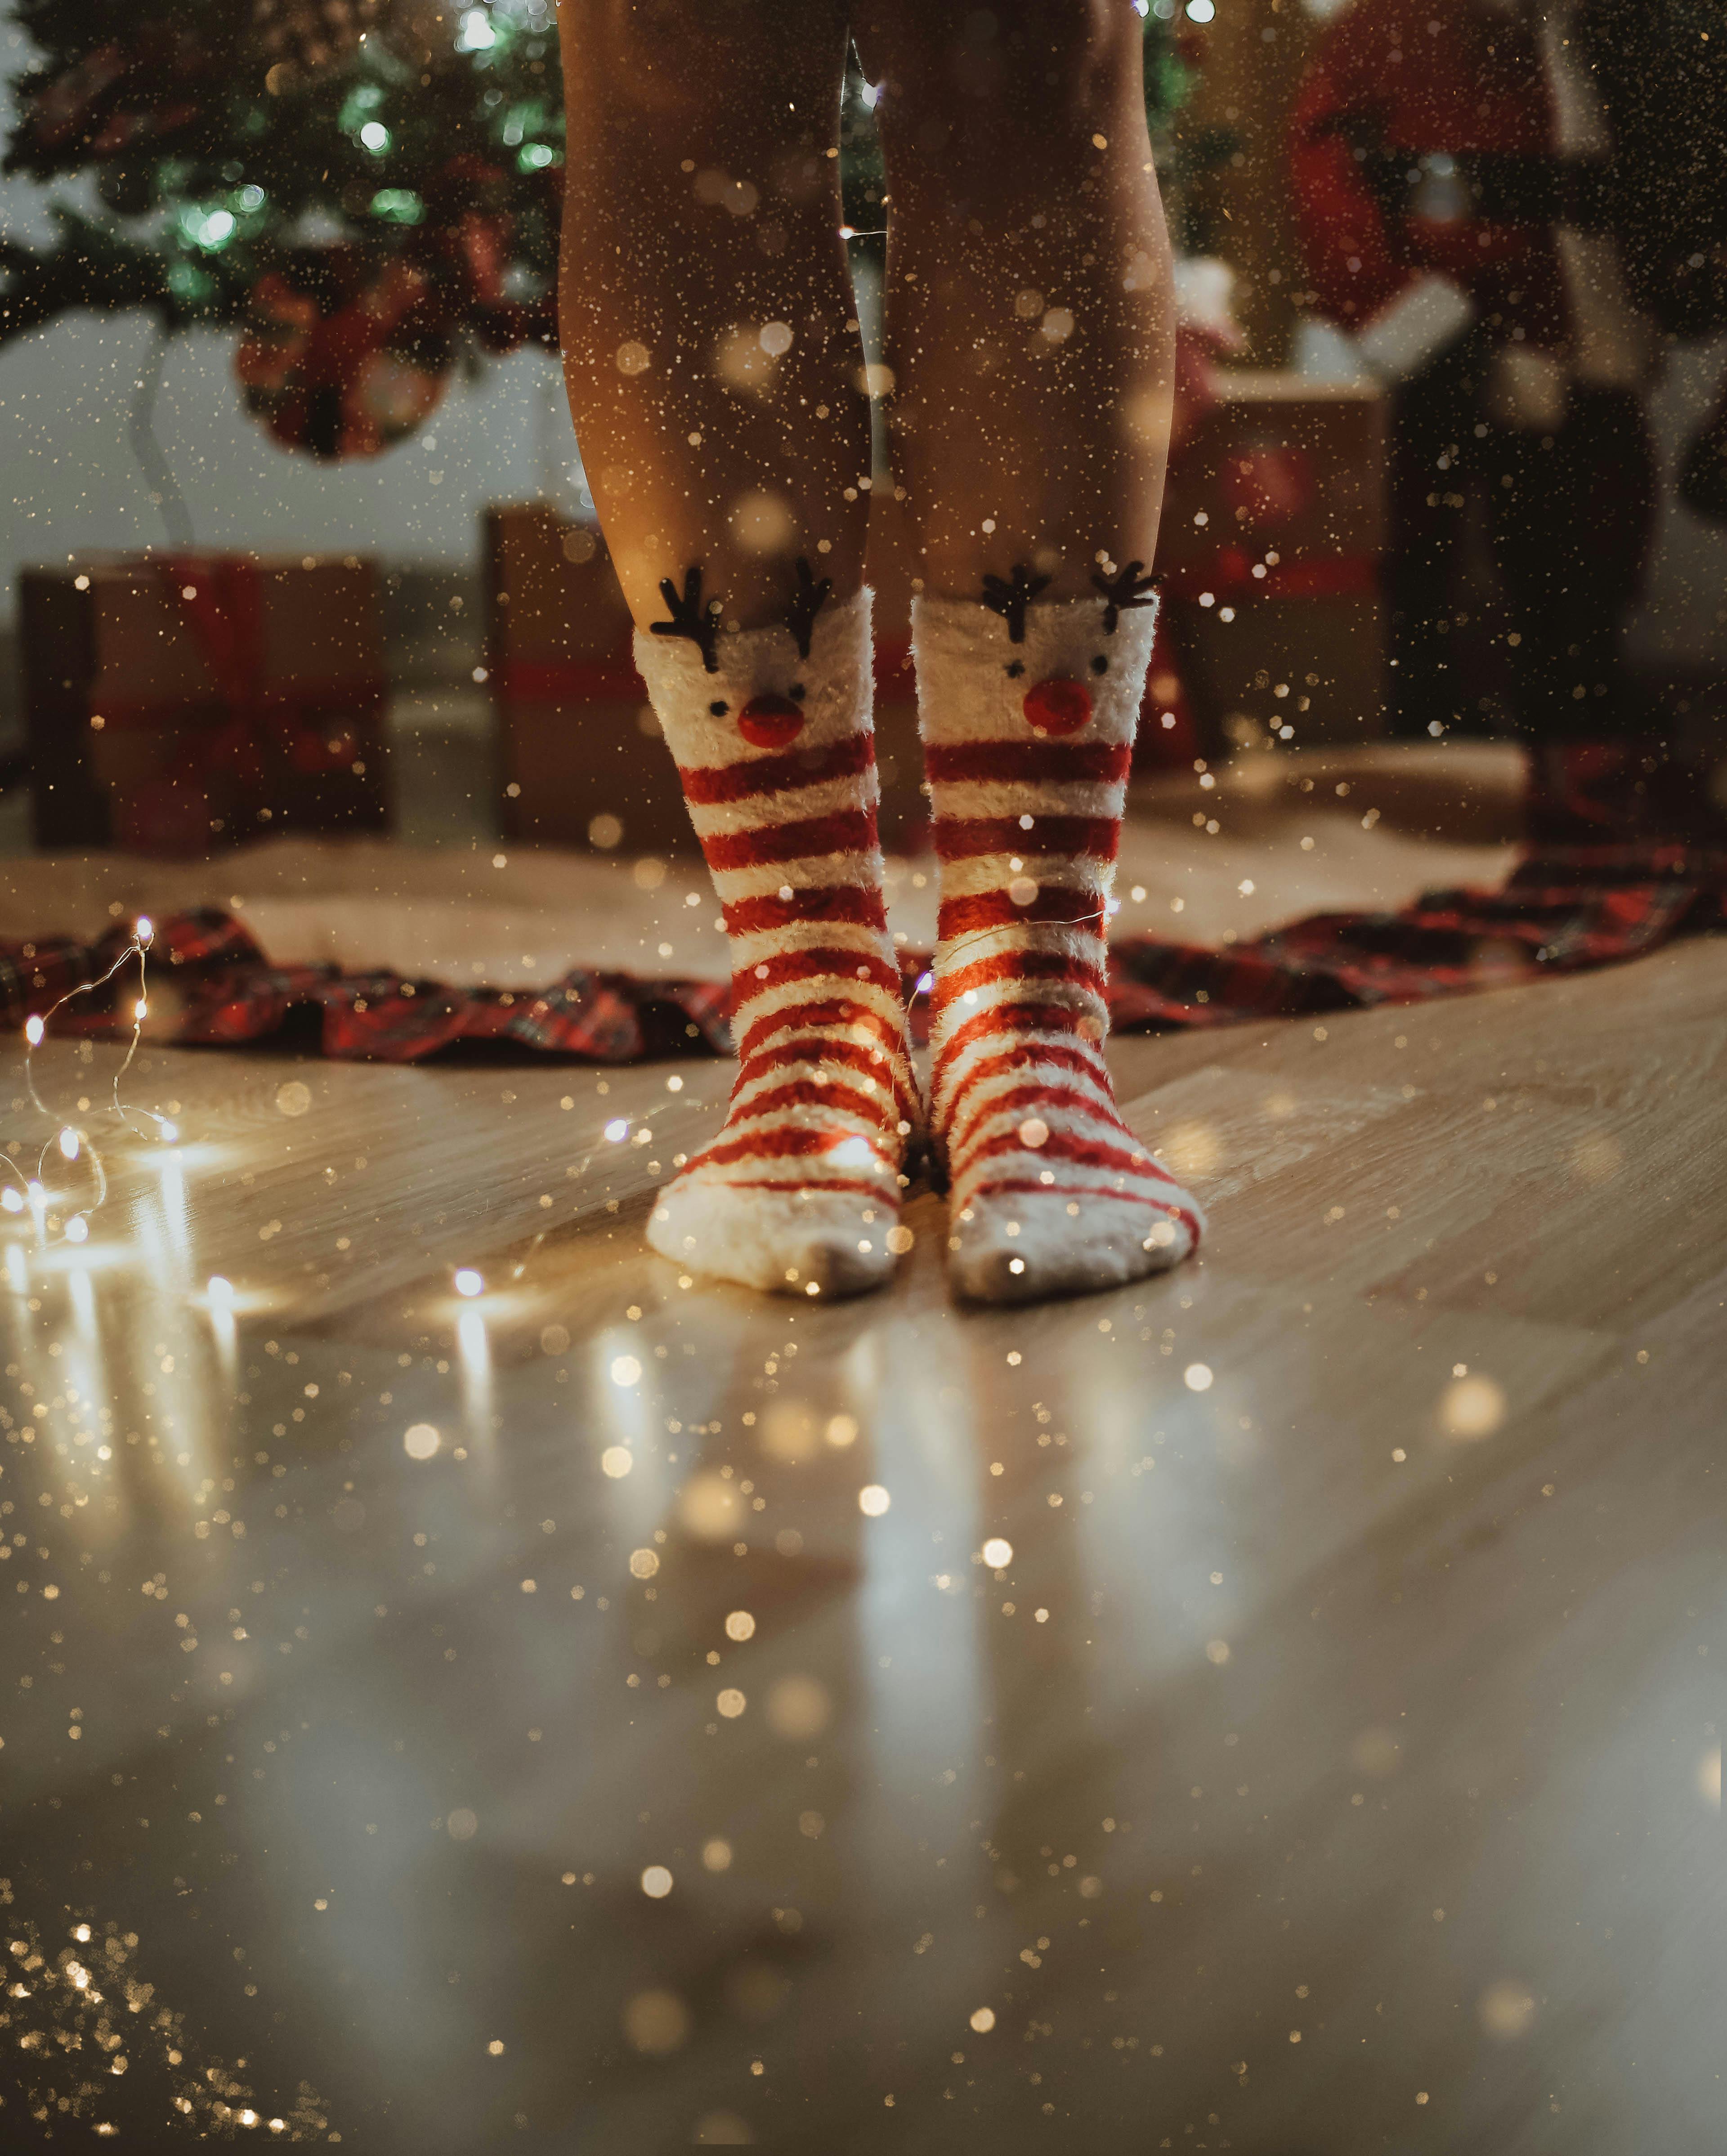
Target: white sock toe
(1034, 1245)
(817, 1244)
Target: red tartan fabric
(1563, 910)
(228, 992)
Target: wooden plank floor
(1332, 1766)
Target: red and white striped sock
(772, 730)
(1028, 714)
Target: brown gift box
(582, 760)
(176, 704)
(1273, 527)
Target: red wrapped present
(176, 705)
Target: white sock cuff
(969, 691)
(835, 682)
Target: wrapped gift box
(581, 760)
(1274, 523)
(178, 705)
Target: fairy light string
(72, 1145)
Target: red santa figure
(1452, 178)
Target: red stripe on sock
(849, 831)
(792, 1143)
(1027, 763)
(822, 1021)
(759, 1060)
(716, 784)
(852, 902)
(827, 961)
(834, 1094)
(966, 837)
(1054, 903)
(1087, 1065)
(1017, 965)
(1009, 1018)
(1084, 1152)
(1091, 1102)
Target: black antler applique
(690, 618)
(1010, 599)
(806, 603)
(1131, 588)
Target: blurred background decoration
(235, 228)
(368, 190)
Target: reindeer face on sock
(1057, 661)
(767, 718)
(768, 713)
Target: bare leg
(704, 295)
(1030, 320)
(1030, 329)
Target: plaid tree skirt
(1562, 911)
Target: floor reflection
(601, 1711)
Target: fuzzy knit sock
(1028, 714)
(771, 730)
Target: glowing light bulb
(140, 1011)
(33, 1031)
(144, 932)
(77, 1229)
(69, 1143)
(617, 1130)
(170, 1132)
(469, 1282)
(220, 1292)
(11, 1200)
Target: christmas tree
(369, 191)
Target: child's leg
(1030, 333)
(713, 361)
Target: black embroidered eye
(719, 709)
(1015, 670)
(1100, 665)
(798, 692)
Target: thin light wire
(34, 1190)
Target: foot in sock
(771, 730)
(1028, 712)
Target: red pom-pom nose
(770, 721)
(1058, 708)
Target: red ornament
(770, 721)
(1058, 708)
(341, 360)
